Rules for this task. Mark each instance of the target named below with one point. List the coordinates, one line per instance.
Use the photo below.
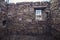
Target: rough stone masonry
(17, 21)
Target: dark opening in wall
(4, 22)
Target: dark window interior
(4, 22)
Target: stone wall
(17, 21)
(21, 18)
(55, 9)
(22, 25)
(55, 12)
(3, 17)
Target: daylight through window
(38, 14)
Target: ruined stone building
(30, 20)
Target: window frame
(37, 16)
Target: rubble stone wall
(21, 17)
(3, 17)
(55, 12)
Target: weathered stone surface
(23, 17)
(55, 12)
(17, 21)
(3, 17)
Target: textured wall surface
(55, 9)
(55, 12)
(17, 21)
(22, 17)
(3, 16)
